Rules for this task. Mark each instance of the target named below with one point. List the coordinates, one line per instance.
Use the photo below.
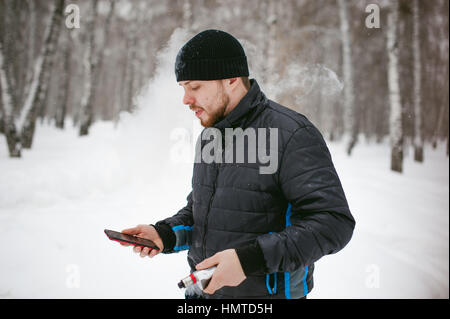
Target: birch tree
(87, 112)
(418, 136)
(443, 114)
(9, 126)
(272, 21)
(269, 12)
(132, 62)
(39, 85)
(101, 55)
(31, 50)
(347, 70)
(64, 80)
(2, 130)
(395, 116)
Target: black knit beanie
(211, 55)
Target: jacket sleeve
(318, 219)
(175, 231)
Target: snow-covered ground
(58, 198)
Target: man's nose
(187, 99)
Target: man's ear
(232, 83)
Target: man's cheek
(206, 101)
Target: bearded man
(263, 231)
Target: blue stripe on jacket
(305, 285)
(287, 275)
(182, 237)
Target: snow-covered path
(56, 201)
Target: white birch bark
(418, 139)
(132, 63)
(32, 91)
(101, 58)
(40, 81)
(272, 48)
(89, 63)
(347, 70)
(440, 122)
(31, 34)
(8, 110)
(270, 74)
(395, 117)
(64, 80)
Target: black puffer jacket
(279, 224)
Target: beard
(218, 113)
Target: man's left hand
(228, 272)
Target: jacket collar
(246, 110)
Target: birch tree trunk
(64, 81)
(273, 31)
(9, 126)
(101, 51)
(268, 37)
(31, 47)
(2, 130)
(347, 70)
(87, 111)
(124, 83)
(395, 117)
(443, 114)
(31, 36)
(418, 136)
(132, 63)
(440, 122)
(42, 106)
(40, 81)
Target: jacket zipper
(217, 168)
(205, 227)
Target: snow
(402, 227)
(58, 198)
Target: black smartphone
(129, 239)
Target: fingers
(145, 251)
(142, 251)
(208, 262)
(132, 231)
(153, 253)
(214, 284)
(137, 249)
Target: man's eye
(193, 89)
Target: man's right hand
(148, 232)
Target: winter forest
(91, 114)
(330, 60)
